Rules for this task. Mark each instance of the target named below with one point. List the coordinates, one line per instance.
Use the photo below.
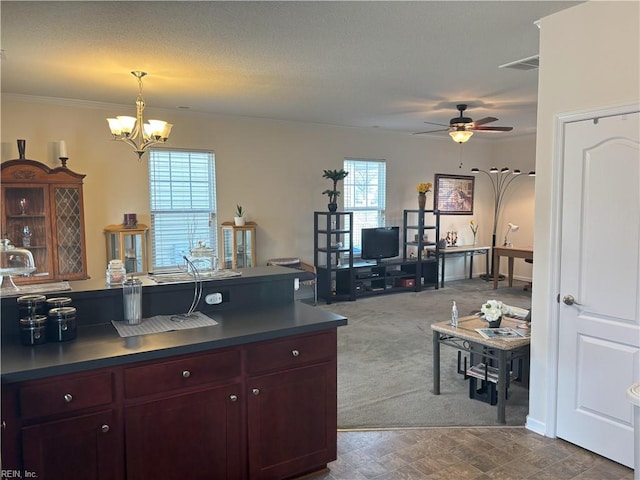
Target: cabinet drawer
(190, 371)
(291, 352)
(65, 394)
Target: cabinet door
(189, 436)
(68, 232)
(83, 447)
(10, 431)
(25, 222)
(292, 421)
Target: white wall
(274, 169)
(590, 57)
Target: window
(365, 195)
(183, 204)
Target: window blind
(183, 204)
(365, 195)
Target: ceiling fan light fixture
(461, 136)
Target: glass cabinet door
(68, 227)
(244, 244)
(26, 225)
(238, 245)
(128, 245)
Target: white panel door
(599, 332)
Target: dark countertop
(98, 346)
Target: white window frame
(182, 191)
(365, 194)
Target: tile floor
(482, 453)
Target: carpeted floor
(385, 360)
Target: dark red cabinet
(266, 410)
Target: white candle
(62, 146)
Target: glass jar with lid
(204, 258)
(116, 273)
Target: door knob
(569, 300)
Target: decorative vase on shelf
(475, 242)
(422, 200)
(332, 207)
(239, 221)
(22, 145)
(495, 323)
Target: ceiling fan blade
(432, 131)
(440, 124)
(484, 120)
(492, 129)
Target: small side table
(129, 245)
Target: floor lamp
(501, 179)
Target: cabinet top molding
(22, 170)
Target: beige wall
(590, 57)
(274, 169)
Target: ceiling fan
(461, 128)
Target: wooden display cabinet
(43, 212)
(128, 244)
(238, 245)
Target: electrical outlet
(213, 298)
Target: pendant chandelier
(133, 130)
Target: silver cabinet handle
(233, 398)
(569, 300)
(186, 374)
(255, 391)
(105, 428)
(68, 397)
(295, 353)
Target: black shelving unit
(340, 278)
(333, 255)
(421, 232)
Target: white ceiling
(392, 65)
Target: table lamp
(510, 228)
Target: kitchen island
(251, 397)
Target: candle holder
(63, 161)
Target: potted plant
(239, 218)
(335, 176)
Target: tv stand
(342, 278)
(388, 276)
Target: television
(379, 243)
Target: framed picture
(453, 194)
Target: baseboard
(535, 426)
